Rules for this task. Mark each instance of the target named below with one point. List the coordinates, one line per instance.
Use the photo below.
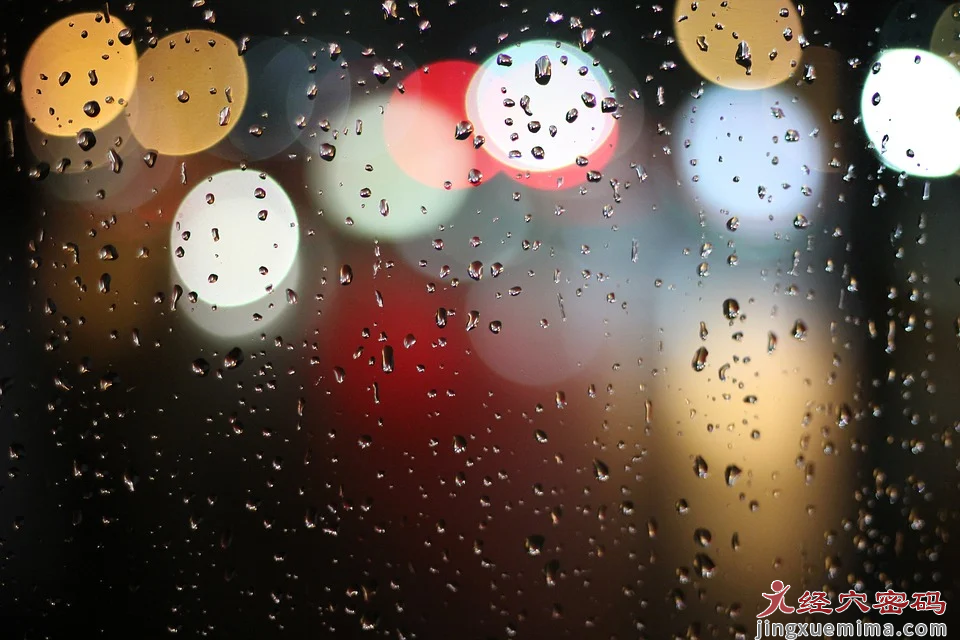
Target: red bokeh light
(420, 126)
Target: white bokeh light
(750, 154)
(238, 234)
(362, 182)
(549, 105)
(909, 105)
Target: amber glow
(712, 35)
(190, 93)
(78, 74)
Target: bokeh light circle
(572, 101)
(293, 84)
(420, 125)
(191, 91)
(945, 40)
(749, 155)
(244, 319)
(76, 63)
(361, 190)
(909, 105)
(238, 235)
(714, 34)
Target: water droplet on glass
(700, 359)
(327, 151)
(743, 57)
(346, 274)
(473, 320)
(115, 161)
(86, 139)
(543, 70)
(700, 467)
(600, 470)
(704, 565)
(800, 330)
(233, 358)
(464, 130)
(731, 309)
(731, 474)
(534, 544)
(200, 367)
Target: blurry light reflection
(909, 104)
(747, 44)
(424, 131)
(78, 74)
(191, 91)
(234, 238)
(361, 190)
(750, 155)
(556, 115)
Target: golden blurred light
(945, 40)
(190, 93)
(754, 406)
(79, 73)
(741, 44)
(909, 105)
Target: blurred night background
(471, 319)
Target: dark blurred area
(357, 460)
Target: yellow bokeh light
(740, 44)
(945, 40)
(190, 93)
(78, 74)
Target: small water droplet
(700, 467)
(464, 130)
(233, 358)
(543, 70)
(327, 151)
(200, 367)
(600, 470)
(700, 359)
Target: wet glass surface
(471, 319)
